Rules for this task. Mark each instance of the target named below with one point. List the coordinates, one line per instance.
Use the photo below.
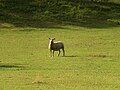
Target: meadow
(92, 59)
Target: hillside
(44, 13)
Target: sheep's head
(51, 39)
(51, 42)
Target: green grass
(116, 1)
(92, 59)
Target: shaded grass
(32, 14)
(10, 66)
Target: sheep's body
(56, 46)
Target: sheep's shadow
(71, 56)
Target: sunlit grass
(92, 59)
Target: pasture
(92, 59)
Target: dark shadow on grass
(88, 23)
(39, 82)
(72, 56)
(94, 23)
(9, 66)
(9, 21)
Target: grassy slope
(92, 59)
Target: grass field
(92, 59)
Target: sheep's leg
(50, 53)
(53, 53)
(63, 52)
(59, 53)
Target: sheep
(56, 46)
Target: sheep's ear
(53, 38)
